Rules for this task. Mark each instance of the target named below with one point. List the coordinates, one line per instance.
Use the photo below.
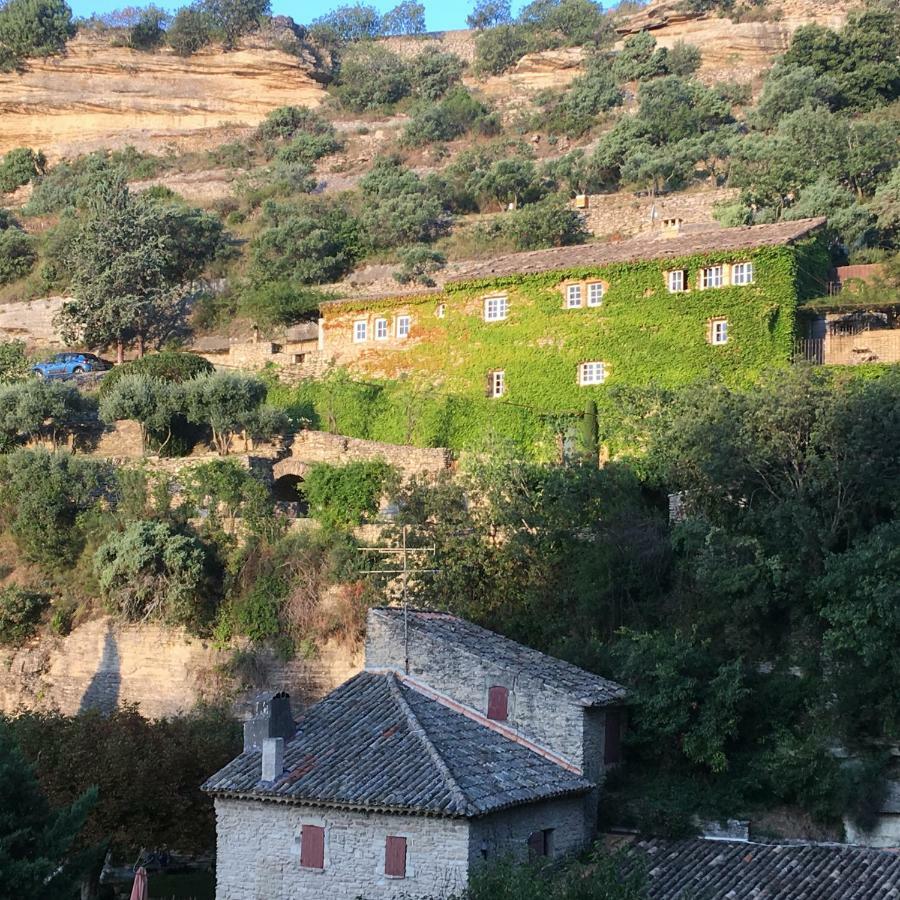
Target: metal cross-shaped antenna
(405, 571)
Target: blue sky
(439, 15)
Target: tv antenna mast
(404, 570)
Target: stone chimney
(272, 758)
(672, 226)
(271, 719)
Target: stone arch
(287, 484)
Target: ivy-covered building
(543, 329)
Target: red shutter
(395, 857)
(612, 740)
(312, 847)
(498, 703)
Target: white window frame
(676, 281)
(596, 291)
(573, 296)
(381, 329)
(497, 384)
(360, 331)
(440, 310)
(402, 324)
(496, 308)
(742, 273)
(591, 373)
(712, 277)
(718, 332)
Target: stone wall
(537, 711)
(624, 214)
(322, 447)
(506, 833)
(258, 853)
(162, 671)
(868, 346)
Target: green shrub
(372, 78)
(170, 365)
(153, 403)
(305, 135)
(225, 488)
(407, 17)
(575, 111)
(640, 58)
(488, 14)
(458, 113)
(347, 24)
(149, 32)
(499, 49)
(42, 498)
(434, 72)
(279, 303)
(14, 362)
(40, 410)
(418, 264)
(20, 612)
(150, 571)
(547, 223)
(683, 59)
(20, 166)
(311, 242)
(232, 19)
(341, 496)
(32, 28)
(256, 614)
(17, 255)
(190, 31)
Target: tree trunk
(120, 352)
(140, 346)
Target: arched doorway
(288, 488)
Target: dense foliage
(33, 28)
(37, 861)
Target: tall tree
(130, 261)
(36, 862)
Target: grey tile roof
(583, 687)
(377, 744)
(728, 870)
(643, 247)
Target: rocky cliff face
(102, 96)
(161, 671)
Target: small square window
(395, 857)
(402, 326)
(360, 331)
(677, 281)
(718, 331)
(495, 309)
(591, 373)
(573, 296)
(712, 277)
(742, 273)
(496, 384)
(596, 291)
(381, 329)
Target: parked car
(68, 365)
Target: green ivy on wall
(645, 335)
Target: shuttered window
(540, 843)
(498, 703)
(612, 739)
(312, 847)
(395, 857)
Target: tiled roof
(643, 247)
(583, 687)
(377, 744)
(730, 870)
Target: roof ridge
(418, 729)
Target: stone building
(548, 328)
(453, 746)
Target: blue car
(68, 365)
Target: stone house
(547, 328)
(453, 746)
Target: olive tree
(151, 402)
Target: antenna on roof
(404, 571)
